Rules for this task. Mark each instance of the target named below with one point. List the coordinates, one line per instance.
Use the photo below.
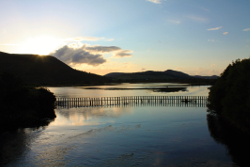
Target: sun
(41, 45)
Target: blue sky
(101, 36)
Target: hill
(156, 75)
(45, 70)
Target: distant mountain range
(48, 70)
(156, 75)
(45, 70)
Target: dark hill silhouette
(177, 74)
(45, 70)
(156, 75)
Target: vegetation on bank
(23, 106)
(229, 97)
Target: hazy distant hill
(156, 75)
(45, 70)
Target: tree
(230, 95)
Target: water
(118, 136)
(81, 91)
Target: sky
(198, 37)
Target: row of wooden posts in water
(187, 101)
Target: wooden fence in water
(178, 101)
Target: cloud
(212, 29)
(212, 65)
(103, 49)
(225, 33)
(211, 40)
(118, 52)
(247, 29)
(78, 56)
(143, 69)
(91, 55)
(124, 53)
(198, 19)
(155, 1)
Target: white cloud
(225, 33)
(198, 19)
(155, 1)
(247, 29)
(212, 29)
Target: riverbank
(23, 106)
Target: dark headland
(45, 70)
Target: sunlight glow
(42, 45)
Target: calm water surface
(118, 136)
(81, 91)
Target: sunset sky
(101, 36)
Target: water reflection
(89, 115)
(15, 145)
(237, 143)
(112, 136)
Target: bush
(23, 106)
(230, 95)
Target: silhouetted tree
(23, 106)
(230, 95)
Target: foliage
(230, 95)
(23, 106)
